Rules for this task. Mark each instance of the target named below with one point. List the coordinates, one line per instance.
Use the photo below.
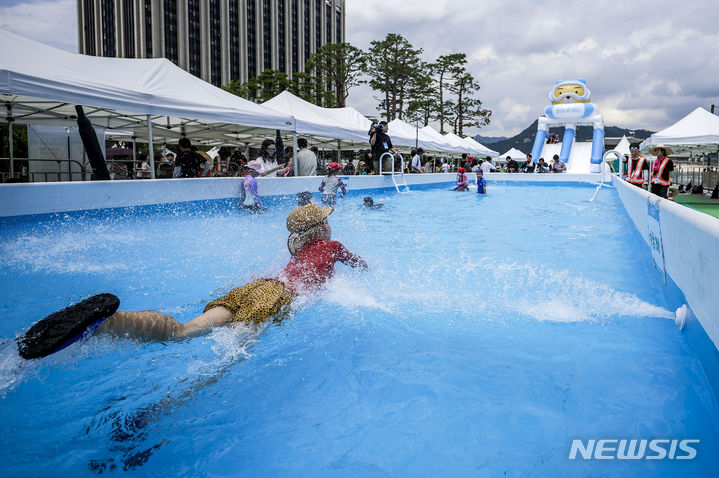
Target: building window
(148, 28)
(307, 30)
(338, 26)
(89, 27)
(171, 30)
(108, 28)
(234, 15)
(328, 23)
(251, 39)
(129, 28)
(318, 24)
(267, 34)
(215, 44)
(193, 37)
(281, 46)
(295, 36)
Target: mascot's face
(573, 91)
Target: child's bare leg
(154, 325)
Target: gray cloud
(647, 63)
(53, 22)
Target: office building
(217, 40)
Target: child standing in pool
(462, 181)
(248, 195)
(481, 182)
(330, 184)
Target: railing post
(151, 146)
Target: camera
(374, 128)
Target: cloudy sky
(647, 63)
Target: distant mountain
(489, 139)
(525, 140)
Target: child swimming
(313, 256)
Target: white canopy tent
(325, 124)
(44, 84)
(623, 146)
(697, 132)
(405, 134)
(448, 144)
(469, 147)
(483, 150)
(515, 154)
(146, 97)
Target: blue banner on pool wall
(654, 233)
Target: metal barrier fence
(696, 174)
(67, 170)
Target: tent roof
(44, 83)
(313, 120)
(698, 131)
(405, 134)
(623, 146)
(483, 150)
(449, 143)
(514, 153)
(470, 145)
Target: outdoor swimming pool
(488, 334)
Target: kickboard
(64, 327)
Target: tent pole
(69, 164)
(10, 142)
(338, 151)
(151, 147)
(294, 149)
(134, 148)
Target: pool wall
(43, 198)
(690, 241)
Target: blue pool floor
(488, 333)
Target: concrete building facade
(217, 40)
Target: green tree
(391, 66)
(444, 69)
(340, 64)
(302, 85)
(466, 111)
(422, 105)
(261, 88)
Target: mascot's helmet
(570, 91)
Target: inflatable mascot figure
(571, 107)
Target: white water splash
(533, 290)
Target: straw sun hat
(304, 218)
(301, 223)
(655, 149)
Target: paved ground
(700, 203)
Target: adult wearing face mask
(266, 159)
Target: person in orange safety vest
(637, 167)
(660, 172)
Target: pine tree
(444, 69)
(391, 67)
(342, 65)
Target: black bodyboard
(61, 328)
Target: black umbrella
(280, 154)
(92, 146)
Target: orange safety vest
(657, 179)
(634, 175)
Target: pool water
(488, 333)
